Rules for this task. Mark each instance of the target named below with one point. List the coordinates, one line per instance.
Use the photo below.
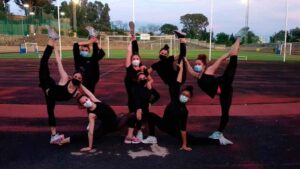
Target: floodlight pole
(133, 11)
(58, 21)
(286, 30)
(247, 14)
(211, 27)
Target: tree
(105, 18)
(278, 37)
(152, 28)
(2, 9)
(250, 38)
(231, 39)
(168, 28)
(195, 25)
(295, 35)
(222, 38)
(119, 27)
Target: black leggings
(182, 55)
(174, 90)
(226, 91)
(167, 126)
(46, 82)
(130, 102)
(135, 48)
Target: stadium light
(75, 2)
(58, 21)
(26, 5)
(133, 12)
(286, 29)
(211, 27)
(247, 3)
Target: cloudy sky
(266, 16)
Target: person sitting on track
(96, 109)
(66, 88)
(88, 65)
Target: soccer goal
(289, 47)
(149, 46)
(31, 47)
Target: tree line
(97, 15)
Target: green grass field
(153, 54)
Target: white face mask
(88, 104)
(183, 99)
(135, 62)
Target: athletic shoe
(132, 140)
(135, 140)
(51, 33)
(139, 135)
(56, 139)
(224, 141)
(179, 35)
(92, 31)
(150, 140)
(215, 135)
(132, 27)
(242, 32)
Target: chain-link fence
(27, 25)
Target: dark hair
(78, 101)
(78, 71)
(86, 46)
(203, 58)
(166, 47)
(188, 88)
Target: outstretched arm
(128, 58)
(89, 94)
(184, 142)
(63, 74)
(179, 76)
(98, 53)
(190, 69)
(213, 68)
(92, 118)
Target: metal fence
(28, 25)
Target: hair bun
(166, 47)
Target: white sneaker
(132, 27)
(224, 141)
(139, 135)
(92, 31)
(150, 140)
(56, 139)
(51, 33)
(242, 32)
(215, 135)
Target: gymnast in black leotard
(221, 85)
(110, 121)
(88, 65)
(167, 71)
(66, 88)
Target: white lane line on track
(112, 70)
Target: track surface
(264, 124)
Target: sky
(265, 18)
